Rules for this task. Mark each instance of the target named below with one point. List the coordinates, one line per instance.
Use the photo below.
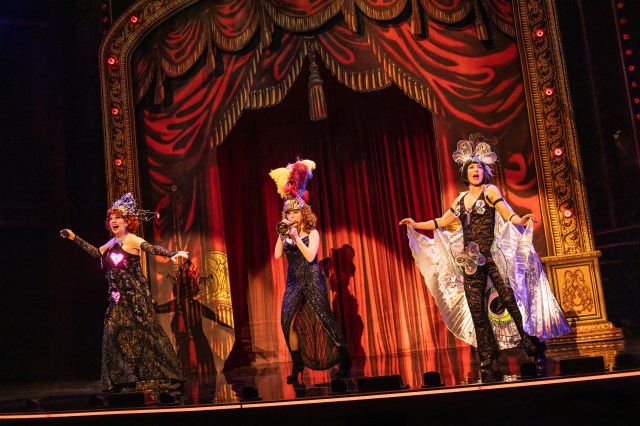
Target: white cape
(519, 266)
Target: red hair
(133, 223)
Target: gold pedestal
(575, 281)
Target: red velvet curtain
(377, 160)
(375, 156)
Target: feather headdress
(477, 150)
(291, 182)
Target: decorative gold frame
(560, 178)
(569, 236)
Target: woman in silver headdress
(487, 245)
(136, 351)
(310, 329)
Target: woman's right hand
(68, 233)
(408, 221)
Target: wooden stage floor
(595, 382)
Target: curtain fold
(368, 177)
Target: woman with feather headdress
(310, 329)
(516, 305)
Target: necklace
(120, 242)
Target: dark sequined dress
(306, 301)
(135, 348)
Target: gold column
(572, 266)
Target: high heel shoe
(297, 367)
(487, 362)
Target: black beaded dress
(136, 351)
(306, 301)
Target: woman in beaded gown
(487, 245)
(136, 351)
(310, 329)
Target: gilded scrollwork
(577, 294)
(218, 287)
(551, 112)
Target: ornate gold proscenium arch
(566, 212)
(569, 237)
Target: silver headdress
(477, 150)
(129, 207)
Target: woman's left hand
(293, 233)
(524, 220)
(183, 254)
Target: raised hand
(67, 233)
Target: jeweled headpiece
(291, 182)
(477, 150)
(129, 207)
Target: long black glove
(93, 251)
(157, 250)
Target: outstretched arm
(161, 251)
(70, 235)
(441, 222)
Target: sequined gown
(306, 300)
(135, 348)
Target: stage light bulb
(625, 36)
(105, 20)
(636, 100)
(628, 52)
(539, 33)
(103, 6)
(118, 162)
(623, 21)
(567, 213)
(634, 84)
(115, 111)
(558, 152)
(620, 5)
(632, 67)
(112, 61)
(548, 91)
(133, 19)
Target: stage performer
(136, 352)
(310, 329)
(486, 265)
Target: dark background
(52, 171)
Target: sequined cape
(519, 265)
(306, 300)
(135, 348)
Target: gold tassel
(266, 25)
(350, 17)
(211, 58)
(481, 28)
(415, 22)
(317, 104)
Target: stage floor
(260, 384)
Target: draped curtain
(375, 156)
(195, 75)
